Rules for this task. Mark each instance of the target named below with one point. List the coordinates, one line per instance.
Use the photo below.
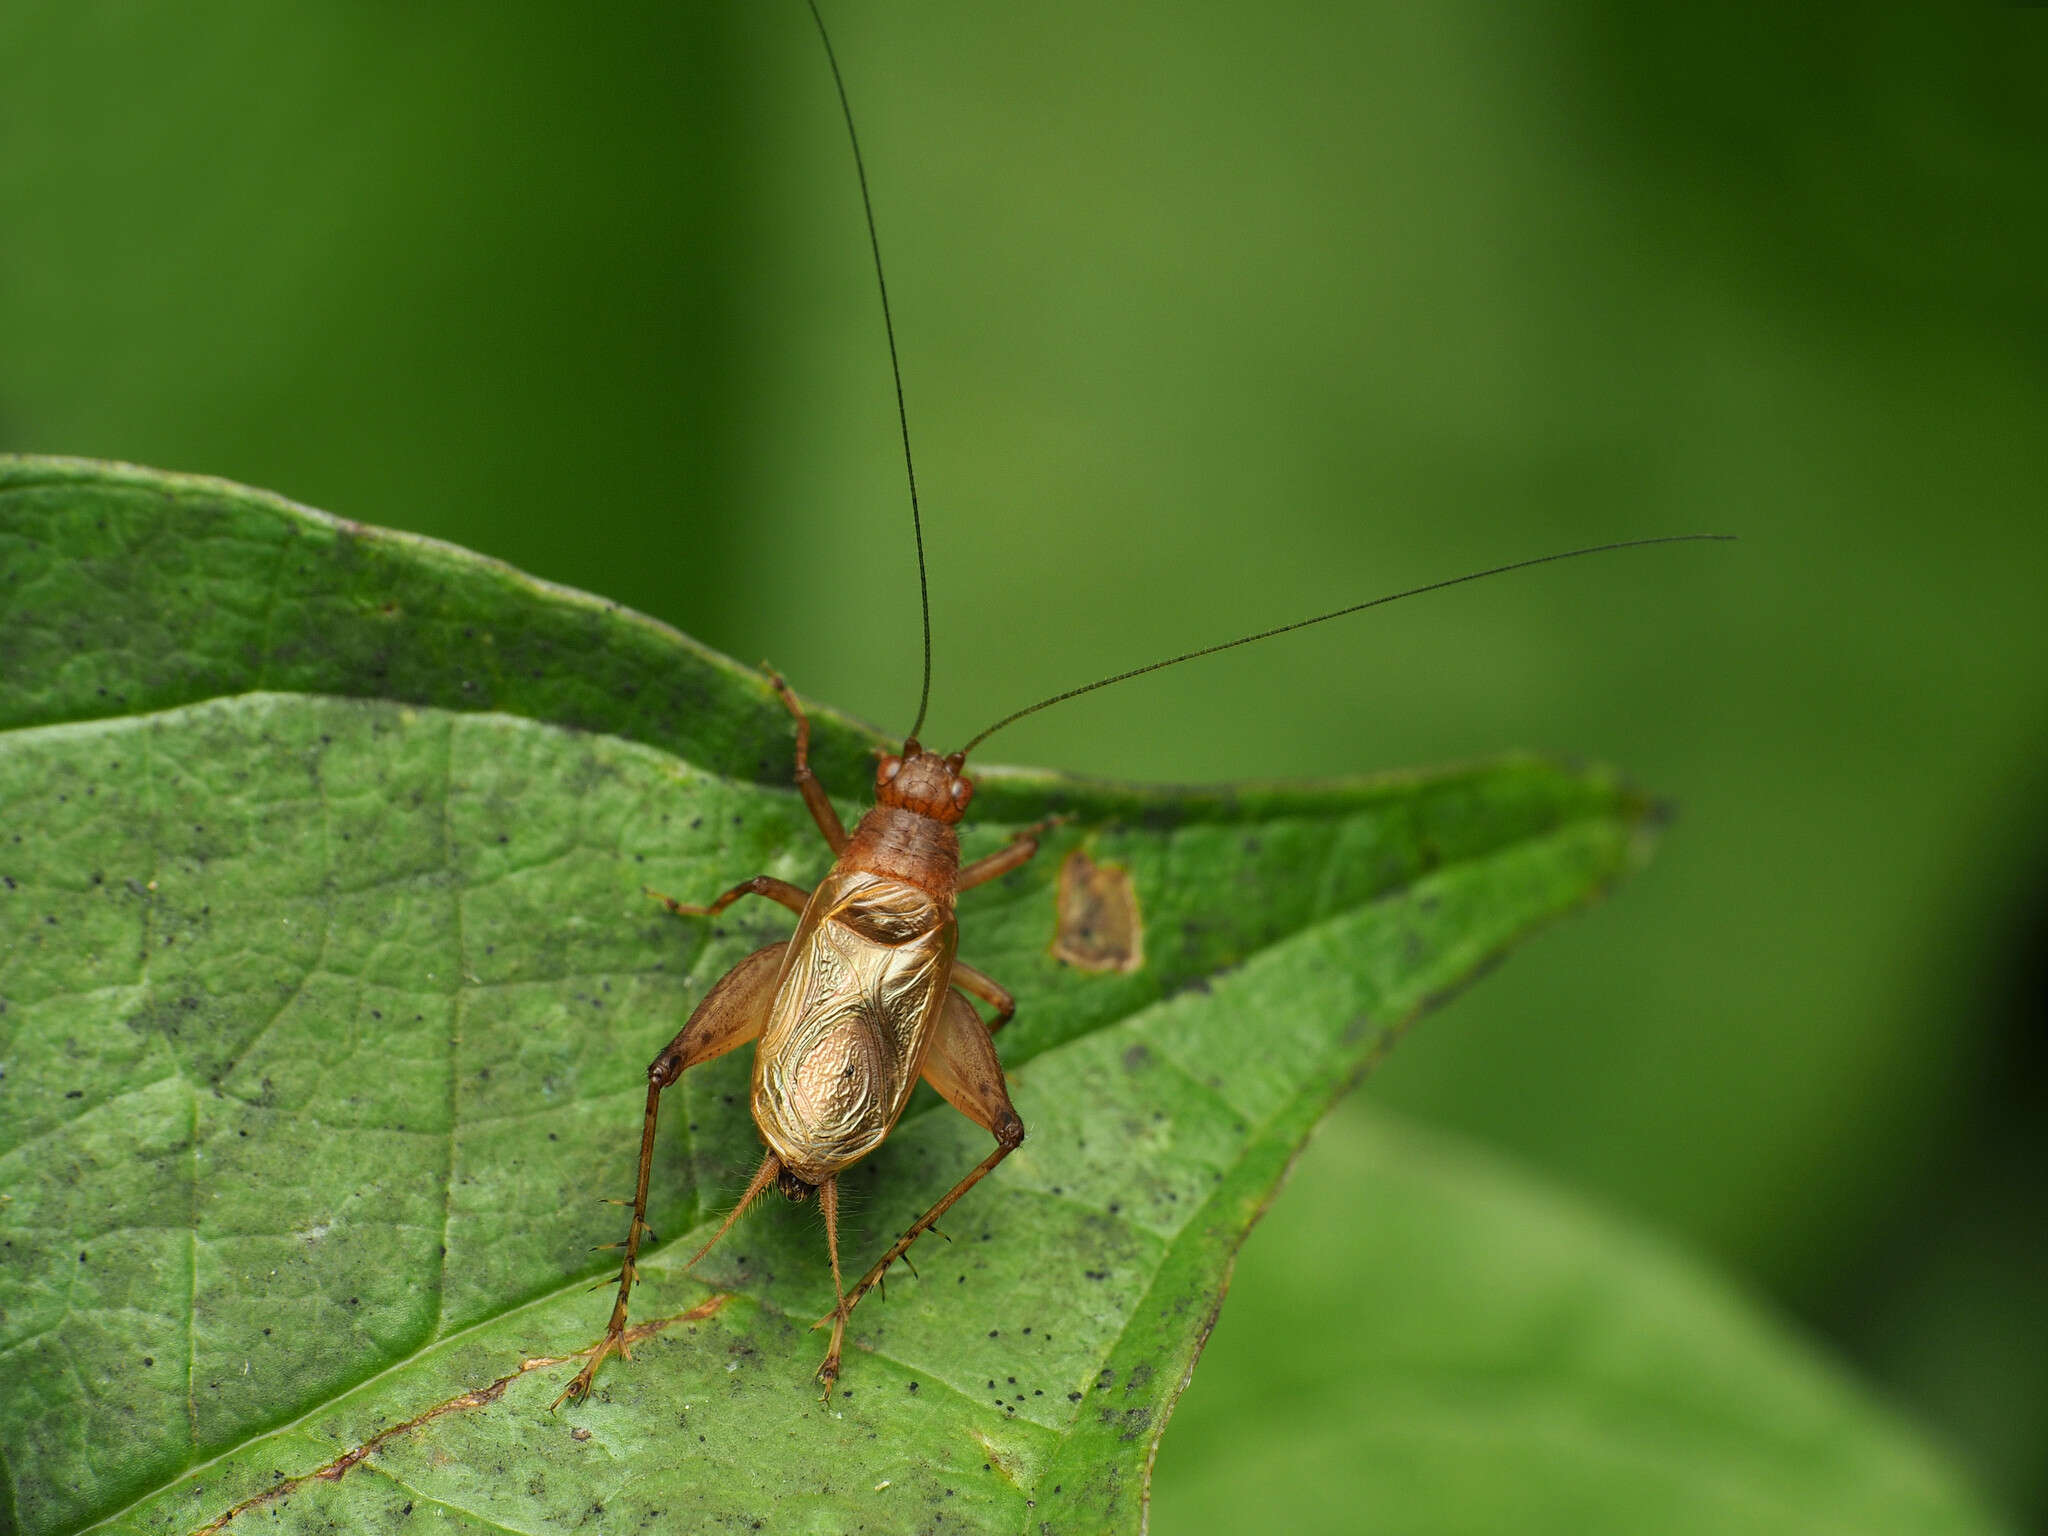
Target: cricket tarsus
(1338, 613)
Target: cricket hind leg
(733, 1013)
(964, 1068)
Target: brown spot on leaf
(1098, 928)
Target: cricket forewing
(860, 993)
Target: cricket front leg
(1014, 854)
(964, 1068)
(735, 1012)
(815, 799)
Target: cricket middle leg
(1014, 854)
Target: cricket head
(924, 782)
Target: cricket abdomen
(834, 1094)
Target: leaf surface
(1526, 1364)
(329, 985)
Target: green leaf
(1526, 1364)
(328, 987)
(130, 590)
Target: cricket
(868, 995)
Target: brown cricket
(850, 1010)
(868, 995)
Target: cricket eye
(891, 766)
(962, 793)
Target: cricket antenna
(924, 598)
(1338, 613)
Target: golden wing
(859, 1000)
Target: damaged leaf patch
(1097, 926)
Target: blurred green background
(1214, 315)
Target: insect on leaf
(329, 986)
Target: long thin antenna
(924, 598)
(1337, 613)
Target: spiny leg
(732, 1014)
(918, 1228)
(615, 1333)
(807, 785)
(794, 897)
(766, 1174)
(964, 1068)
(828, 1202)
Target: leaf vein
(448, 1504)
